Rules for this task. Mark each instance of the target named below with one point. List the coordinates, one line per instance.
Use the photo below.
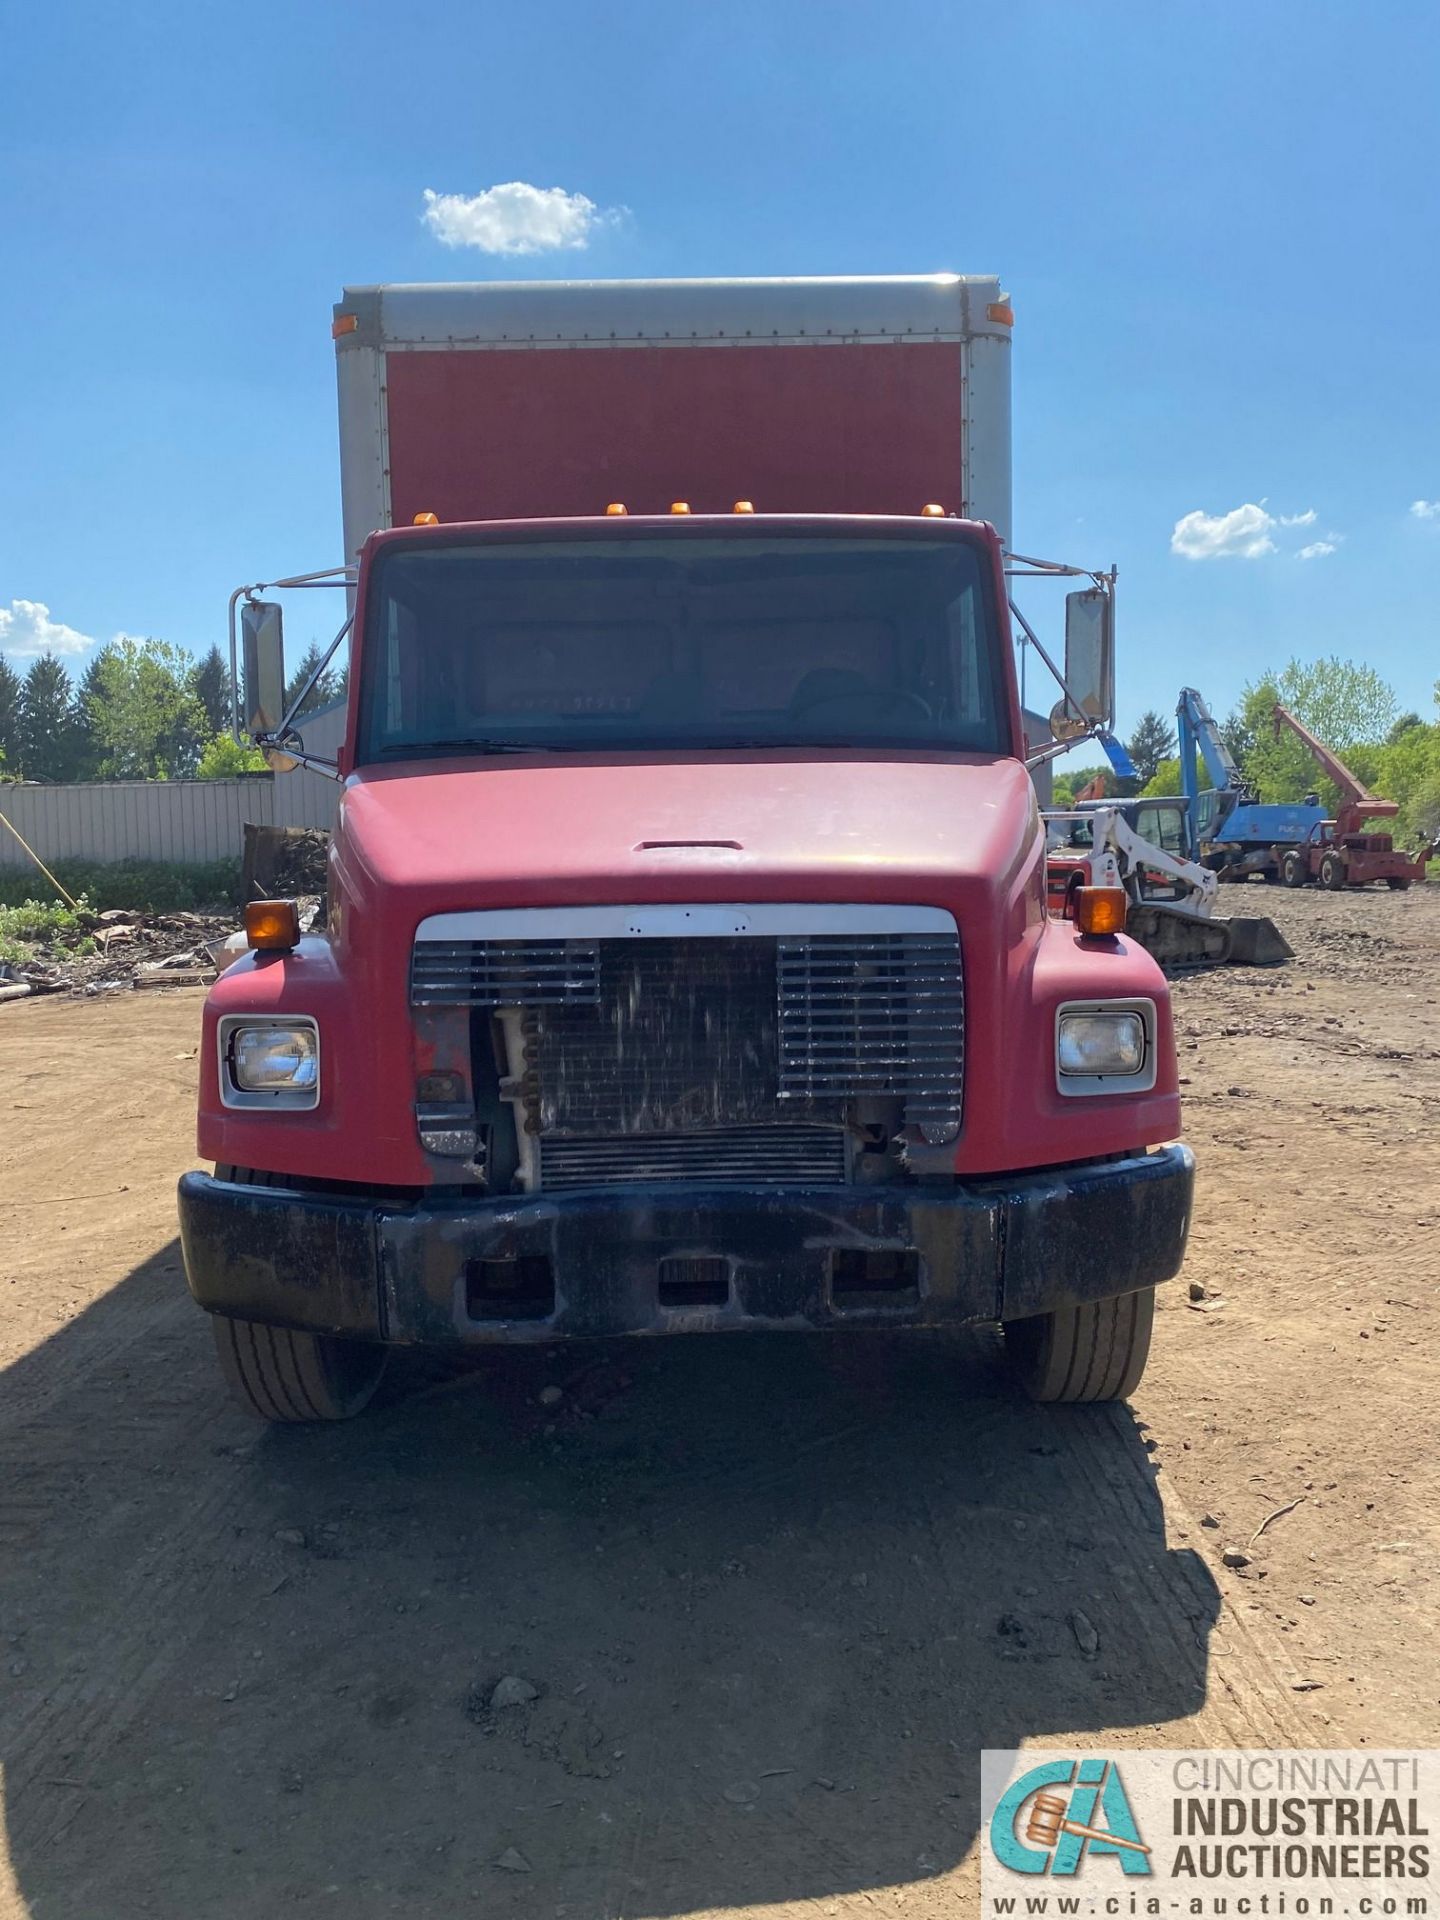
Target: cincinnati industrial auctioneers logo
(1210, 1834)
(1057, 1817)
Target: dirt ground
(772, 1596)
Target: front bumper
(619, 1260)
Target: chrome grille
(750, 1038)
(732, 1156)
(682, 1040)
(505, 973)
(875, 1014)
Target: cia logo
(1056, 1817)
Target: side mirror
(1089, 662)
(262, 669)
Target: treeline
(1351, 708)
(141, 710)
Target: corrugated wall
(170, 820)
(167, 820)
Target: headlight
(269, 1063)
(1102, 1043)
(1105, 1049)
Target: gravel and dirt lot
(765, 1600)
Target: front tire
(1332, 873)
(1294, 868)
(1094, 1351)
(294, 1378)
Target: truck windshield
(670, 643)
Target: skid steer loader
(1172, 897)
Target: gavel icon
(1047, 1822)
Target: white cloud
(26, 629)
(1425, 509)
(516, 218)
(1318, 549)
(1244, 532)
(1306, 519)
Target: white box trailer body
(537, 399)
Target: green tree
(224, 758)
(145, 719)
(46, 747)
(10, 693)
(1403, 726)
(1152, 741)
(89, 692)
(1067, 785)
(1423, 814)
(1407, 770)
(1344, 705)
(210, 683)
(1240, 729)
(328, 687)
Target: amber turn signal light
(426, 520)
(1100, 910)
(932, 511)
(272, 926)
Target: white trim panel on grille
(668, 922)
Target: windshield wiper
(398, 749)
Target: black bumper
(664, 1259)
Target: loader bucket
(1257, 942)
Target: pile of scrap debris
(116, 950)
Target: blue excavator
(1228, 829)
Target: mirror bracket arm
(1024, 566)
(323, 577)
(281, 742)
(1034, 640)
(287, 722)
(1056, 747)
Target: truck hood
(823, 825)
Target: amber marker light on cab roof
(1001, 312)
(679, 506)
(1100, 910)
(617, 506)
(272, 926)
(344, 323)
(743, 506)
(426, 520)
(932, 511)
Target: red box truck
(686, 962)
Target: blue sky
(1218, 224)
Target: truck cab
(686, 966)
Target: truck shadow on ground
(771, 1595)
